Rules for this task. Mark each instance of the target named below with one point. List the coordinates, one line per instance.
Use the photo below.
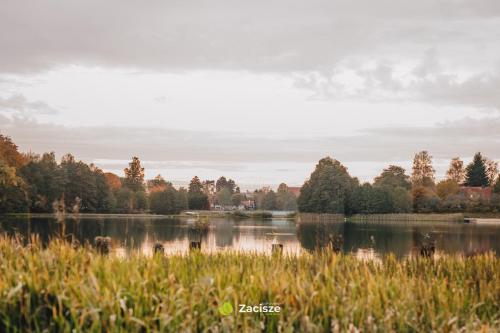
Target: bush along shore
(406, 218)
(379, 218)
(63, 288)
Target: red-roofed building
(295, 191)
(476, 193)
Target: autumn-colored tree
(456, 171)
(424, 199)
(158, 184)
(422, 171)
(9, 153)
(496, 186)
(134, 175)
(113, 181)
(7, 175)
(446, 188)
(491, 171)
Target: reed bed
(317, 217)
(406, 218)
(61, 288)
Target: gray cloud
(428, 82)
(21, 105)
(313, 40)
(287, 35)
(183, 146)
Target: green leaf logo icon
(226, 309)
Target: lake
(254, 235)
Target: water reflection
(366, 241)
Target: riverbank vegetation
(39, 184)
(65, 288)
(472, 189)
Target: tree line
(38, 183)
(331, 189)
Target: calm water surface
(250, 235)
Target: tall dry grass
(61, 288)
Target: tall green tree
(45, 182)
(393, 176)
(13, 196)
(368, 199)
(197, 199)
(285, 200)
(270, 201)
(476, 174)
(167, 201)
(328, 190)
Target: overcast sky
(254, 90)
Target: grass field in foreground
(59, 289)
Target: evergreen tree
(476, 172)
(220, 184)
(197, 199)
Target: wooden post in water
(336, 243)
(195, 246)
(158, 248)
(428, 247)
(277, 248)
(102, 244)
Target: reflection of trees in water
(224, 233)
(314, 236)
(462, 238)
(45, 228)
(382, 238)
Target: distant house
(476, 193)
(248, 204)
(295, 191)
